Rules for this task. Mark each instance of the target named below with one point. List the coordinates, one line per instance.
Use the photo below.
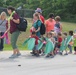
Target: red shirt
(42, 19)
(13, 26)
(36, 39)
(59, 40)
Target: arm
(15, 18)
(16, 21)
(38, 29)
(61, 27)
(7, 26)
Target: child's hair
(57, 18)
(71, 33)
(65, 34)
(49, 33)
(59, 34)
(36, 14)
(33, 33)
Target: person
(49, 45)
(3, 23)
(58, 26)
(75, 43)
(70, 42)
(39, 12)
(59, 40)
(50, 23)
(43, 47)
(14, 20)
(37, 24)
(35, 50)
(62, 47)
(67, 41)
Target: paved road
(60, 65)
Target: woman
(14, 31)
(50, 23)
(3, 22)
(37, 24)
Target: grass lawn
(24, 35)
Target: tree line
(64, 8)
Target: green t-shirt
(36, 25)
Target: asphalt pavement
(30, 65)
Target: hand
(11, 18)
(6, 32)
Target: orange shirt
(50, 25)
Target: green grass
(24, 35)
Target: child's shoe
(70, 53)
(52, 56)
(60, 53)
(37, 55)
(66, 54)
(47, 56)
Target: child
(35, 50)
(43, 47)
(58, 26)
(75, 43)
(66, 42)
(59, 40)
(49, 46)
(58, 43)
(62, 48)
(70, 41)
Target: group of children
(53, 44)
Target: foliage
(65, 8)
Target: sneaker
(31, 52)
(19, 54)
(60, 53)
(70, 53)
(13, 56)
(66, 54)
(37, 55)
(47, 56)
(52, 56)
(42, 54)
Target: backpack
(22, 26)
(42, 28)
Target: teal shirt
(36, 25)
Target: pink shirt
(50, 25)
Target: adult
(37, 24)
(50, 23)
(3, 23)
(41, 17)
(39, 11)
(14, 31)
